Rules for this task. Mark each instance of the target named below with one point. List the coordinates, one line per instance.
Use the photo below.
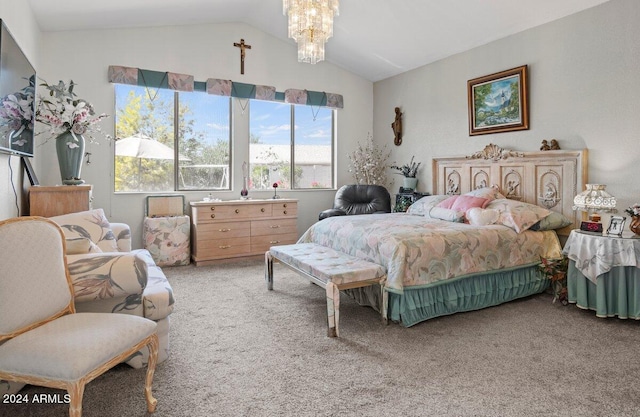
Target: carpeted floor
(239, 350)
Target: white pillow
(446, 214)
(490, 193)
(482, 217)
(424, 205)
(518, 215)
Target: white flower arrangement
(368, 163)
(62, 112)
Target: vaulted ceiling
(375, 39)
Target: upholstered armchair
(359, 199)
(109, 277)
(42, 340)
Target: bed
(476, 242)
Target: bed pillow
(518, 215)
(491, 193)
(424, 205)
(463, 202)
(91, 224)
(482, 217)
(553, 221)
(446, 214)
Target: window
(297, 158)
(152, 123)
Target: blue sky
(268, 120)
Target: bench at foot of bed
(332, 270)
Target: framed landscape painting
(498, 102)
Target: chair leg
(151, 369)
(76, 391)
(333, 309)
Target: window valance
(184, 82)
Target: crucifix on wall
(242, 47)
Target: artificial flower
(63, 112)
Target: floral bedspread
(418, 251)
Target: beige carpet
(239, 350)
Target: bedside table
(604, 273)
(404, 200)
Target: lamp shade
(594, 199)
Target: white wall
(205, 51)
(583, 91)
(19, 19)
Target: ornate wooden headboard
(549, 179)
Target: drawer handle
(262, 210)
(213, 216)
(237, 211)
(284, 205)
(277, 226)
(284, 212)
(213, 208)
(224, 247)
(224, 230)
(274, 241)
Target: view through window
(152, 123)
(274, 151)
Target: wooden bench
(332, 270)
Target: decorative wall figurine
(397, 128)
(545, 146)
(555, 146)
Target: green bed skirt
(617, 292)
(465, 294)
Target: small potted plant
(555, 270)
(409, 172)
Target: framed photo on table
(498, 102)
(616, 225)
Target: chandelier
(310, 25)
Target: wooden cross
(242, 47)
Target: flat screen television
(17, 97)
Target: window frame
(292, 148)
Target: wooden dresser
(237, 228)
(58, 200)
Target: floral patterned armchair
(108, 276)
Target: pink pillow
(463, 202)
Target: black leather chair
(359, 199)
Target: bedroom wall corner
(582, 91)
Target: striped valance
(183, 82)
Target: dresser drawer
(273, 227)
(223, 230)
(219, 246)
(231, 212)
(260, 244)
(286, 209)
(239, 228)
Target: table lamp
(594, 200)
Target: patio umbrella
(142, 146)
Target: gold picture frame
(499, 102)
